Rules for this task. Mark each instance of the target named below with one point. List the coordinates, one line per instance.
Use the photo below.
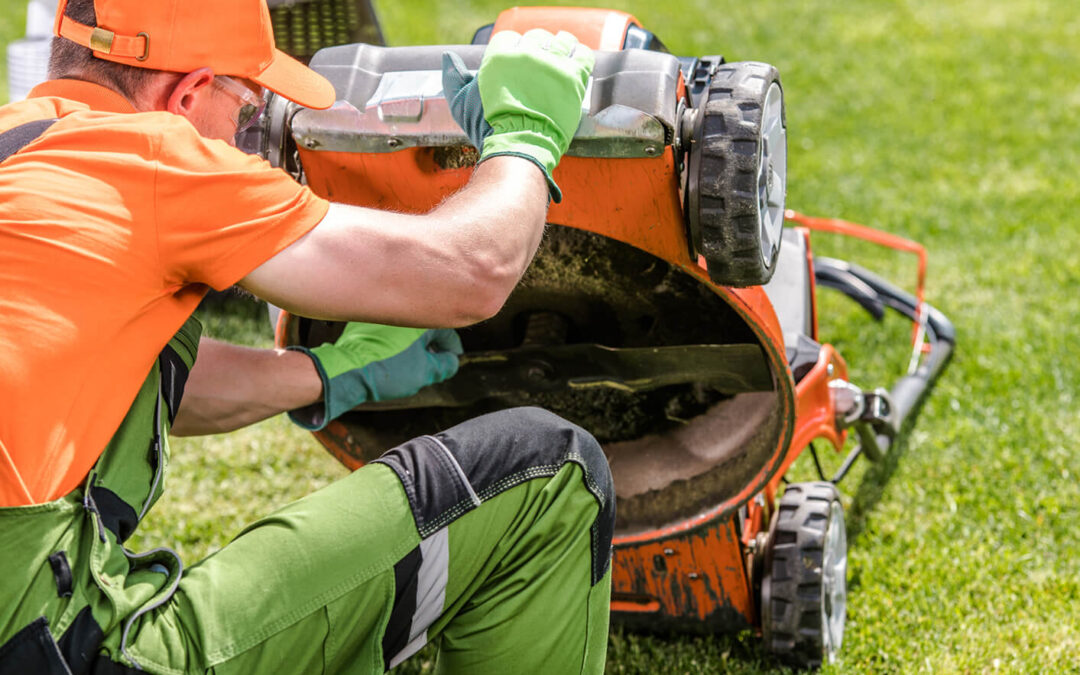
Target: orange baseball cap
(233, 37)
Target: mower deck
(651, 316)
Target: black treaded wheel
(804, 589)
(738, 173)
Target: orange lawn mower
(669, 311)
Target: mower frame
(705, 571)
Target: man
(121, 202)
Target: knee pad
(452, 472)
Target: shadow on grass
(631, 653)
(873, 484)
(877, 476)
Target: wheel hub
(772, 178)
(834, 583)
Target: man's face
(225, 107)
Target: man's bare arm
(451, 267)
(231, 387)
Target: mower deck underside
(675, 450)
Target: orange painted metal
(335, 438)
(696, 575)
(633, 200)
(635, 605)
(409, 180)
(880, 238)
(595, 28)
(816, 411)
(757, 516)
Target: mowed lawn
(955, 124)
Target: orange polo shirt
(113, 224)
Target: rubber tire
(727, 174)
(791, 593)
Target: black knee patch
(449, 474)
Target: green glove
(530, 92)
(463, 97)
(372, 362)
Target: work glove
(526, 98)
(373, 362)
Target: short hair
(68, 58)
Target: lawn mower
(669, 310)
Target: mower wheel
(804, 589)
(737, 174)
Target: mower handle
(872, 292)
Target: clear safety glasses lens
(252, 103)
(247, 116)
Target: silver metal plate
(391, 98)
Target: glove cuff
(315, 416)
(530, 145)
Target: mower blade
(732, 369)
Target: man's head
(169, 54)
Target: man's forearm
(451, 267)
(506, 204)
(232, 386)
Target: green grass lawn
(953, 123)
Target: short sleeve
(220, 212)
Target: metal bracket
(870, 414)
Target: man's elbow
(486, 293)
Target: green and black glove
(526, 98)
(373, 362)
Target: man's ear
(185, 93)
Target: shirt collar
(95, 96)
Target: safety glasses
(252, 104)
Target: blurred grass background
(950, 123)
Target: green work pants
(492, 539)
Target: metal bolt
(311, 143)
(669, 551)
(650, 150)
(539, 371)
(393, 142)
(760, 542)
(693, 575)
(535, 373)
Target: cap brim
(296, 82)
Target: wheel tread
(792, 626)
(730, 231)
